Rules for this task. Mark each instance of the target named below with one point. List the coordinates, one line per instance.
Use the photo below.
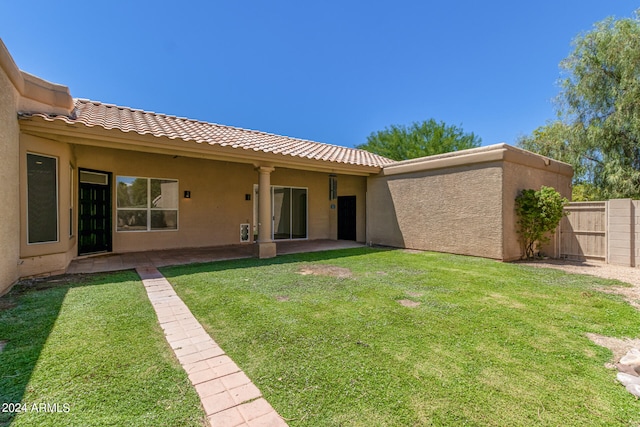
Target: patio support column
(265, 247)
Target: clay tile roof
(107, 116)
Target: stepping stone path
(629, 371)
(228, 396)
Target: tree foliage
(426, 138)
(598, 131)
(539, 213)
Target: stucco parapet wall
(35, 93)
(488, 154)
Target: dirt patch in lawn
(282, 298)
(629, 275)
(325, 270)
(619, 347)
(7, 304)
(411, 251)
(631, 295)
(408, 303)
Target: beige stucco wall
(529, 171)
(456, 210)
(211, 217)
(9, 208)
(217, 207)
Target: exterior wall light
(187, 194)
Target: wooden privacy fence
(604, 231)
(583, 232)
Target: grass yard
(87, 351)
(476, 342)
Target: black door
(347, 217)
(94, 213)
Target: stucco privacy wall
(526, 170)
(458, 202)
(9, 154)
(438, 210)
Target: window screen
(42, 198)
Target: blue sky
(329, 71)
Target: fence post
(621, 233)
(635, 232)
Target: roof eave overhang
(475, 156)
(97, 136)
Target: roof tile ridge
(219, 125)
(176, 128)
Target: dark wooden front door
(347, 218)
(94, 213)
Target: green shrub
(539, 213)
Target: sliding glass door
(288, 212)
(281, 204)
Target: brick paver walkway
(228, 396)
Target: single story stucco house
(83, 178)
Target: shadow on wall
(383, 227)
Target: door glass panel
(94, 178)
(298, 213)
(281, 213)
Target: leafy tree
(539, 213)
(399, 142)
(598, 131)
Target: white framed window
(146, 204)
(42, 199)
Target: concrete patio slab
(131, 260)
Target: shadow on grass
(28, 314)
(180, 270)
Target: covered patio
(162, 258)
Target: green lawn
(490, 343)
(92, 347)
